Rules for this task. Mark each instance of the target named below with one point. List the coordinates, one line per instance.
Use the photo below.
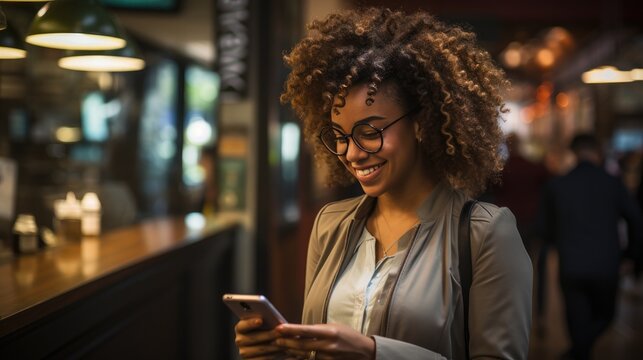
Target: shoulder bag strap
(464, 264)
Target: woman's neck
(407, 200)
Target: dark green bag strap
(464, 264)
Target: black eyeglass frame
(346, 136)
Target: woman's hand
(254, 343)
(329, 341)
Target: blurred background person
(520, 189)
(580, 214)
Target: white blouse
(360, 285)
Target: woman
(408, 107)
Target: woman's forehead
(356, 106)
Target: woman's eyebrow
(362, 121)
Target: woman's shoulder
(337, 212)
(493, 216)
(482, 211)
(493, 225)
(488, 212)
(344, 206)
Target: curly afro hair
(435, 66)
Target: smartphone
(249, 306)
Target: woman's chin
(372, 191)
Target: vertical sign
(233, 48)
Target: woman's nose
(353, 152)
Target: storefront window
(157, 145)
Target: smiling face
(397, 165)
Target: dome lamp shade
(75, 25)
(120, 60)
(11, 45)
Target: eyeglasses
(366, 136)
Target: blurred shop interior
(191, 127)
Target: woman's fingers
(256, 337)
(307, 331)
(329, 341)
(247, 325)
(254, 343)
(266, 351)
(297, 354)
(302, 344)
(303, 338)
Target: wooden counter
(152, 290)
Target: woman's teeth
(364, 172)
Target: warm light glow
(543, 91)
(101, 63)
(545, 58)
(636, 74)
(12, 53)
(105, 80)
(68, 134)
(201, 50)
(76, 41)
(606, 74)
(560, 37)
(512, 56)
(562, 100)
(527, 115)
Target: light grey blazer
(419, 314)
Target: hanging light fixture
(75, 25)
(11, 46)
(125, 59)
(606, 75)
(3, 19)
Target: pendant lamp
(3, 19)
(11, 46)
(125, 59)
(75, 25)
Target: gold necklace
(390, 247)
(379, 232)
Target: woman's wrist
(370, 348)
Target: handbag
(464, 264)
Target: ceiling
(189, 31)
(599, 31)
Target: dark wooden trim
(155, 289)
